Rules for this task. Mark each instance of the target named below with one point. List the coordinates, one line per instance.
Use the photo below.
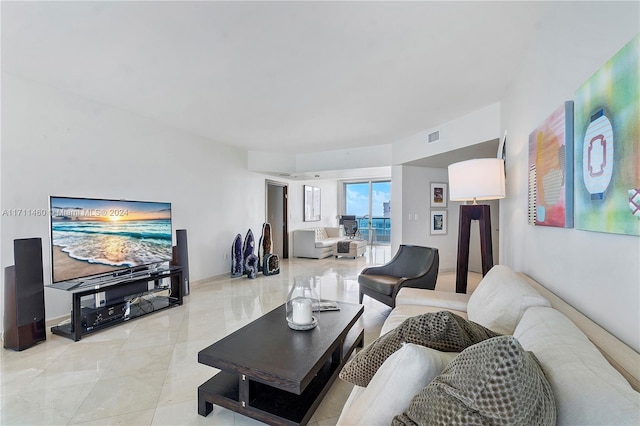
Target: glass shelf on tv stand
(102, 281)
(161, 296)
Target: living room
(58, 141)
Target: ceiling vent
(434, 136)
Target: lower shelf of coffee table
(272, 405)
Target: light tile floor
(145, 372)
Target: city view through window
(370, 202)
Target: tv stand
(129, 297)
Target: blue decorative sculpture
(237, 263)
(247, 250)
(251, 266)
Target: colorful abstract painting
(607, 146)
(551, 170)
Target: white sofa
(316, 243)
(587, 389)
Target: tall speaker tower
(181, 258)
(24, 318)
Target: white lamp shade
(478, 179)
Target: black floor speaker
(24, 319)
(181, 258)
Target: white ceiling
(278, 76)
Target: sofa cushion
(442, 330)
(401, 312)
(391, 389)
(587, 389)
(435, 298)
(500, 300)
(325, 242)
(493, 382)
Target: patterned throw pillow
(443, 331)
(321, 234)
(495, 382)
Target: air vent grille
(434, 136)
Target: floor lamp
(475, 180)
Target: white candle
(302, 311)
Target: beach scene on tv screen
(91, 237)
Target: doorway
(276, 207)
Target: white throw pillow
(321, 234)
(390, 391)
(587, 389)
(500, 300)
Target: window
(370, 202)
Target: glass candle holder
(302, 304)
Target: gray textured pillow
(443, 331)
(495, 382)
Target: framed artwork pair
(584, 159)
(438, 200)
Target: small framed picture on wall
(438, 222)
(438, 194)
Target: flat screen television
(94, 236)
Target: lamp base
(481, 213)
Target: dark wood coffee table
(275, 374)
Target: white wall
(352, 158)
(55, 143)
(411, 184)
(475, 127)
(341, 159)
(415, 214)
(267, 161)
(397, 211)
(597, 273)
(328, 206)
